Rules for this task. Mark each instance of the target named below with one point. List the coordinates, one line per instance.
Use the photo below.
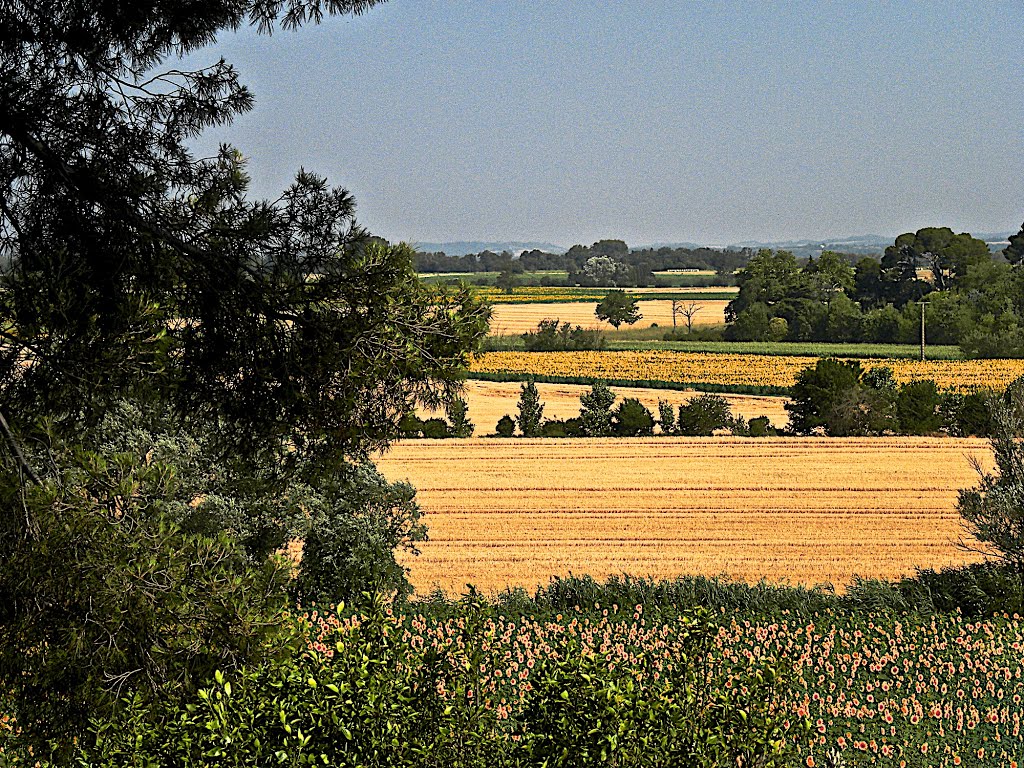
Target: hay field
(802, 510)
(490, 400)
(520, 318)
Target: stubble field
(797, 510)
(520, 318)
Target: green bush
(917, 408)
(531, 410)
(703, 415)
(550, 337)
(506, 426)
(358, 522)
(666, 418)
(632, 419)
(596, 410)
(436, 429)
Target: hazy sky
(713, 122)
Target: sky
(711, 122)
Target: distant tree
(689, 312)
(411, 426)
(531, 410)
(617, 308)
(917, 408)
(506, 281)
(506, 426)
(760, 426)
(820, 391)
(703, 415)
(632, 419)
(946, 254)
(778, 329)
(603, 271)
(1014, 252)
(666, 417)
(436, 429)
(752, 324)
(458, 418)
(596, 411)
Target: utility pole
(923, 305)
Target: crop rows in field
(733, 370)
(520, 318)
(804, 510)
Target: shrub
(703, 415)
(411, 426)
(436, 429)
(632, 419)
(506, 426)
(550, 337)
(359, 521)
(994, 509)
(917, 408)
(820, 392)
(761, 426)
(553, 428)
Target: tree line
(970, 297)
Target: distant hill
(464, 248)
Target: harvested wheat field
(801, 510)
(520, 318)
(490, 400)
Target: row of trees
(972, 299)
(703, 415)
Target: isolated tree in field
(689, 312)
(704, 415)
(531, 411)
(617, 308)
(596, 411)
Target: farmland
(490, 400)
(733, 370)
(803, 510)
(519, 318)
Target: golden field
(490, 400)
(751, 370)
(800, 510)
(509, 319)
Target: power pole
(923, 305)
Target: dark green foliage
(1014, 252)
(666, 418)
(596, 411)
(632, 419)
(436, 429)
(703, 415)
(506, 281)
(994, 509)
(679, 386)
(506, 426)
(553, 428)
(753, 323)
(917, 408)
(550, 337)
(410, 426)
(761, 426)
(618, 308)
(458, 418)
(101, 594)
(819, 391)
(531, 410)
(358, 522)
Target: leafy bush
(666, 418)
(436, 429)
(761, 426)
(103, 594)
(359, 522)
(458, 418)
(703, 415)
(550, 337)
(632, 419)
(917, 408)
(506, 426)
